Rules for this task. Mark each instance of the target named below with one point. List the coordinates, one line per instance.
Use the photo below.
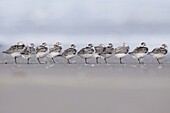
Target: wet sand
(85, 88)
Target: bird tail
(4, 52)
(149, 53)
(130, 53)
(60, 55)
(22, 53)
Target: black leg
(53, 60)
(15, 58)
(139, 61)
(28, 61)
(158, 61)
(86, 61)
(68, 61)
(120, 60)
(97, 60)
(39, 60)
(105, 60)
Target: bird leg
(39, 60)
(53, 60)
(28, 61)
(68, 61)
(97, 60)
(120, 60)
(86, 61)
(105, 60)
(158, 61)
(140, 61)
(15, 58)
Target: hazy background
(84, 21)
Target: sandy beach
(85, 88)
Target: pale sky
(87, 20)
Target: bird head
(110, 45)
(20, 43)
(73, 46)
(31, 45)
(143, 44)
(125, 45)
(90, 45)
(164, 46)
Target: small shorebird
(69, 53)
(159, 53)
(28, 52)
(139, 52)
(86, 52)
(107, 52)
(121, 51)
(15, 50)
(55, 51)
(41, 51)
(98, 51)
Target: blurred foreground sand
(80, 88)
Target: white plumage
(15, 50)
(86, 52)
(28, 52)
(140, 52)
(107, 52)
(41, 51)
(55, 51)
(121, 51)
(98, 51)
(69, 53)
(160, 52)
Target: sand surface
(85, 88)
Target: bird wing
(108, 50)
(140, 50)
(41, 49)
(86, 50)
(99, 49)
(69, 51)
(11, 49)
(25, 51)
(55, 49)
(121, 49)
(159, 50)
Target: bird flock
(100, 51)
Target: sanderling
(86, 52)
(98, 51)
(15, 50)
(55, 51)
(28, 52)
(107, 52)
(139, 52)
(41, 51)
(121, 51)
(69, 53)
(159, 53)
